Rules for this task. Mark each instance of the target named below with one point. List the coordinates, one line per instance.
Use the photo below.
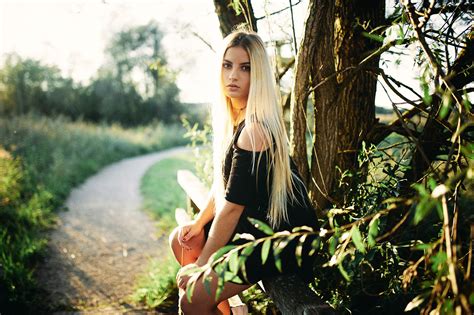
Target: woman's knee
(173, 240)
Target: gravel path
(104, 241)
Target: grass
(41, 160)
(161, 196)
(162, 193)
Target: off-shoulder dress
(245, 186)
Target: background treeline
(133, 87)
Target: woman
(253, 174)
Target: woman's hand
(183, 275)
(187, 232)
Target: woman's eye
(246, 68)
(226, 65)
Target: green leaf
(466, 103)
(262, 226)
(243, 269)
(427, 99)
(471, 298)
(220, 286)
(190, 288)
(265, 250)
(423, 209)
(206, 281)
(237, 279)
(445, 105)
(243, 256)
(299, 249)
(278, 263)
(315, 244)
(373, 230)
(248, 249)
(438, 261)
(357, 239)
(468, 150)
(374, 37)
(229, 276)
(236, 6)
(333, 241)
(422, 246)
(302, 228)
(343, 272)
(221, 252)
(279, 246)
(234, 262)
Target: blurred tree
(137, 61)
(23, 84)
(134, 87)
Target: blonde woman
(253, 175)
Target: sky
(72, 34)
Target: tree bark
(299, 97)
(344, 96)
(228, 18)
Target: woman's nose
(232, 74)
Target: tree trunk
(299, 97)
(344, 95)
(228, 18)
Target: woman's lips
(232, 87)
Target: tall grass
(42, 160)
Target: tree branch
(286, 68)
(203, 40)
(279, 11)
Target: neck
(238, 110)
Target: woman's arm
(222, 229)
(206, 215)
(195, 227)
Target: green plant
(157, 288)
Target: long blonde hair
(264, 112)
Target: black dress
(244, 187)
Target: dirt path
(104, 241)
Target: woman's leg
(203, 303)
(185, 257)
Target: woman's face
(236, 74)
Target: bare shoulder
(254, 131)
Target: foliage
(157, 289)
(202, 148)
(46, 159)
(24, 213)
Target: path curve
(104, 240)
